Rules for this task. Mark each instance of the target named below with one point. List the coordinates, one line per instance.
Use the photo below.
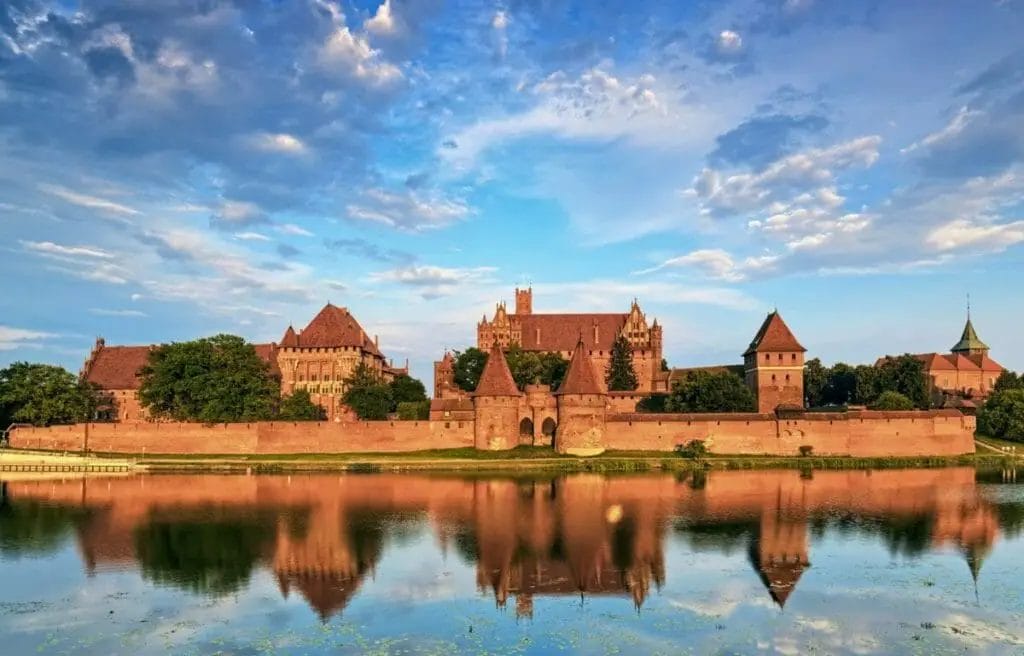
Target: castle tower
(496, 405)
(969, 343)
(524, 300)
(444, 375)
(774, 366)
(582, 399)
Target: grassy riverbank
(524, 459)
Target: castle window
(312, 376)
(773, 378)
(787, 378)
(767, 357)
(794, 357)
(301, 378)
(780, 357)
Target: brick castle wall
(863, 434)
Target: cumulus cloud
(407, 209)
(729, 42)
(966, 234)
(383, 21)
(351, 54)
(279, 143)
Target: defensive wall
(854, 433)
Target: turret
(774, 366)
(524, 300)
(582, 403)
(496, 405)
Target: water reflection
(581, 535)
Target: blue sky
(172, 169)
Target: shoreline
(458, 461)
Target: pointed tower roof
(290, 338)
(774, 335)
(496, 379)
(581, 378)
(335, 326)
(969, 340)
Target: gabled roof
(116, 367)
(774, 335)
(560, 332)
(969, 340)
(333, 327)
(581, 378)
(496, 379)
(962, 363)
(290, 338)
(931, 362)
(986, 363)
(268, 353)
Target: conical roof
(496, 379)
(969, 340)
(290, 338)
(774, 335)
(581, 378)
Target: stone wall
(863, 434)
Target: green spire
(969, 342)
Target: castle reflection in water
(577, 535)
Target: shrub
(1002, 415)
(652, 403)
(414, 410)
(694, 449)
(891, 400)
(806, 450)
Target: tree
(43, 395)
(406, 389)
(620, 375)
(866, 380)
(815, 382)
(904, 374)
(468, 367)
(524, 365)
(215, 379)
(841, 386)
(890, 400)
(552, 369)
(298, 406)
(1002, 415)
(1009, 380)
(367, 394)
(705, 391)
(413, 410)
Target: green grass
(998, 443)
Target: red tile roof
(560, 332)
(496, 379)
(582, 378)
(116, 367)
(986, 363)
(931, 362)
(332, 327)
(268, 353)
(774, 335)
(962, 363)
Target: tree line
(1002, 415)
(212, 380)
(895, 383)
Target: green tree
(1009, 380)
(841, 385)
(891, 400)
(525, 366)
(815, 382)
(866, 388)
(367, 394)
(298, 406)
(413, 410)
(705, 391)
(468, 367)
(43, 395)
(652, 403)
(406, 389)
(553, 367)
(215, 379)
(620, 375)
(1002, 415)
(904, 374)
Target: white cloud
(237, 214)
(292, 229)
(352, 54)
(85, 200)
(729, 42)
(966, 234)
(951, 129)
(251, 236)
(433, 281)
(500, 25)
(408, 210)
(596, 106)
(383, 22)
(117, 313)
(716, 264)
(279, 143)
(12, 338)
(50, 248)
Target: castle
(317, 359)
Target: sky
(171, 169)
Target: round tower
(582, 404)
(496, 405)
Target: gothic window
(312, 376)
